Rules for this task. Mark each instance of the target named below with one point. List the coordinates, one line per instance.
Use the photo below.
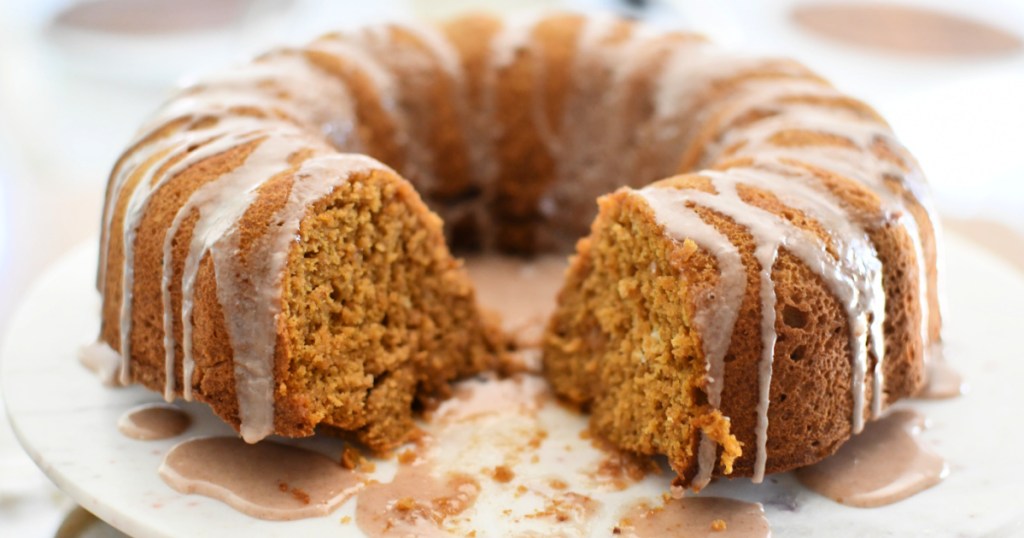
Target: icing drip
(189, 147)
(696, 517)
(381, 78)
(440, 48)
(411, 67)
(856, 162)
(250, 307)
(311, 98)
(716, 315)
(151, 422)
(581, 163)
(512, 39)
(480, 161)
(857, 281)
(383, 83)
(250, 292)
(219, 203)
(860, 296)
(858, 262)
(692, 71)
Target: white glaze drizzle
(251, 295)
(216, 95)
(856, 163)
(411, 65)
(191, 147)
(218, 100)
(513, 37)
(865, 269)
(586, 135)
(567, 143)
(220, 203)
(690, 71)
(383, 82)
(858, 263)
(716, 315)
(448, 57)
(102, 360)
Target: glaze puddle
(152, 422)
(522, 394)
(266, 480)
(906, 29)
(695, 517)
(884, 464)
(415, 503)
(521, 291)
(618, 470)
(150, 17)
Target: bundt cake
(744, 317)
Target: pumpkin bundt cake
(746, 315)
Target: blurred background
(77, 78)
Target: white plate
(67, 422)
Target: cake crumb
(718, 525)
(689, 248)
(405, 504)
(537, 439)
(300, 495)
(345, 520)
(503, 474)
(406, 457)
(558, 483)
(351, 458)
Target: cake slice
(286, 286)
(623, 342)
(731, 318)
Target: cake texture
(759, 282)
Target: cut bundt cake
(284, 285)
(745, 315)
